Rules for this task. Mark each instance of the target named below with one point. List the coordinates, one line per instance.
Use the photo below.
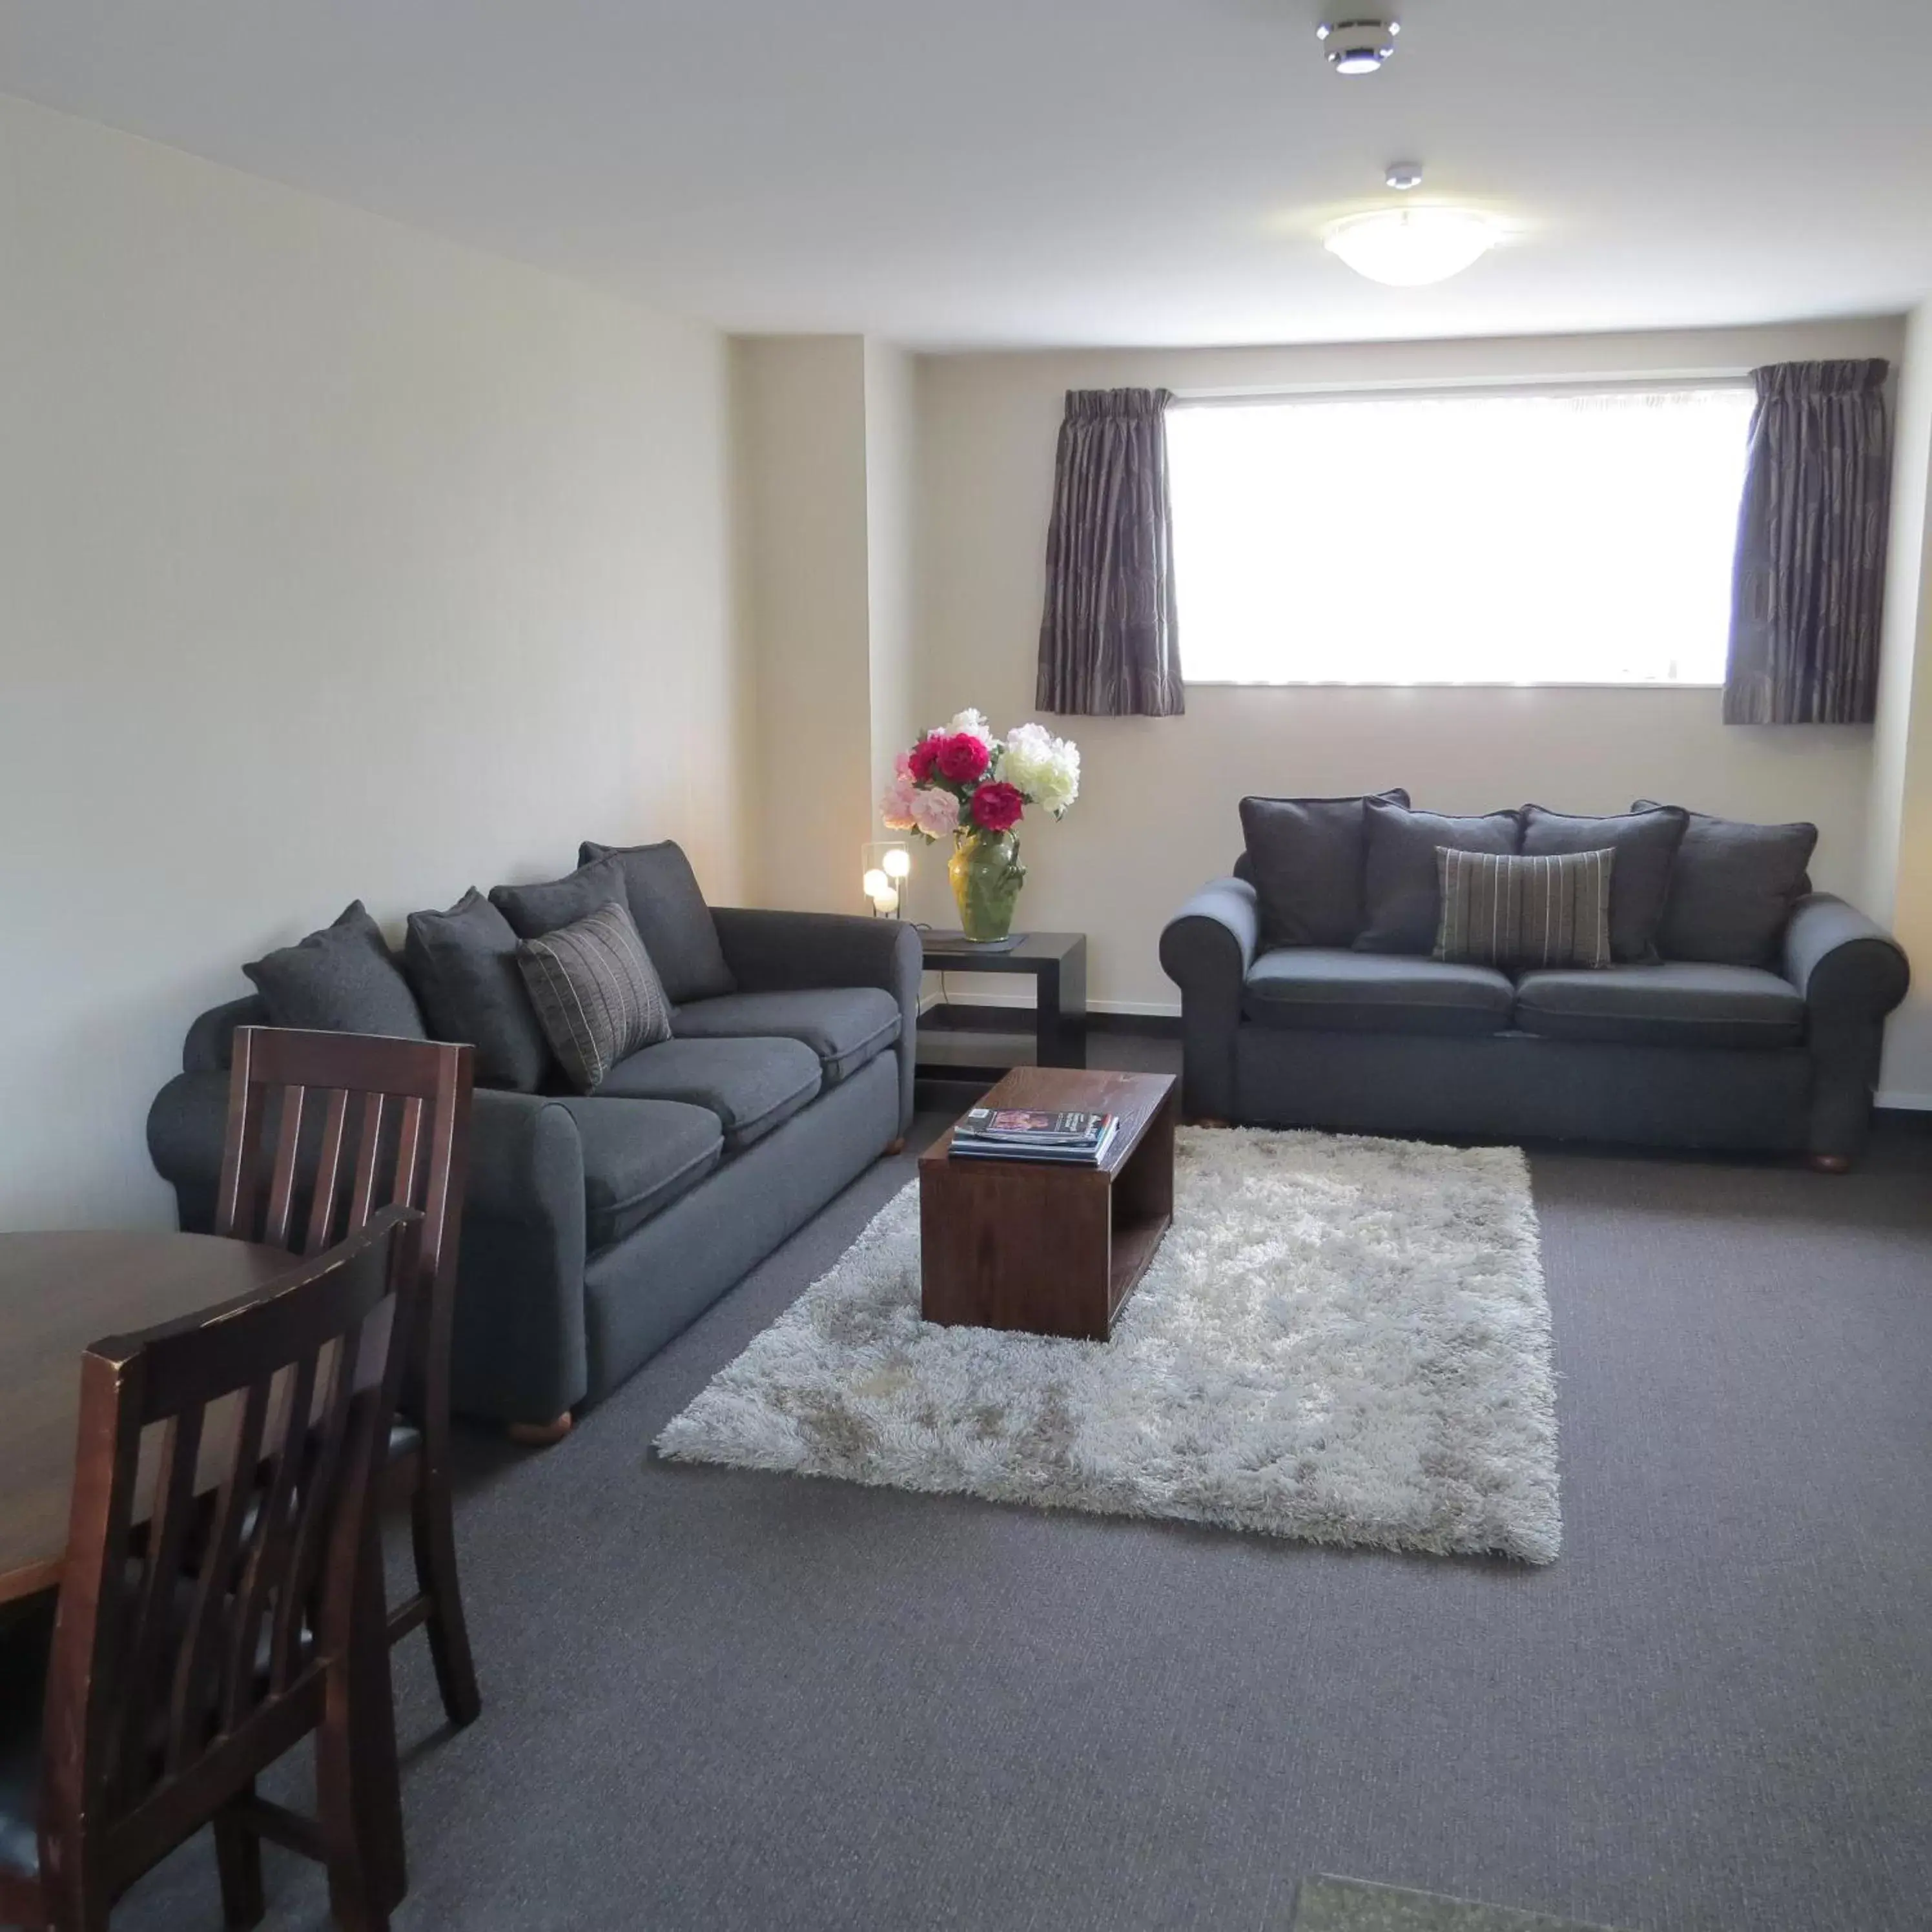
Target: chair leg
(238, 1856)
(432, 1533)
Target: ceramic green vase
(987, 876)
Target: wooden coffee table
(1049, 1250)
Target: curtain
(1107, 645)
(1809, 579)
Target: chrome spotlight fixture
(1358, 46)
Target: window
(1564, 537)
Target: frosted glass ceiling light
(1358, 46)
(1407, 248)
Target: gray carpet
(725, 1700)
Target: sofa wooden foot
(540, 1434)
(895, 1147)
(1830, 1163)
(1205, 1121)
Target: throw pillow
(597, 996)
(1645, 843)
(343, 978)
(463, 965)
(1304, 859)
(535, 910)
(673, 920)
(1732, 888)
(1401, 888)
(1501, 909)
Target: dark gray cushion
(752, 1085)
(1732, 888)
(845, 1026)
(1672, 1004)
(671, 912)
(1645, 843)
(1402, 901)
(1304, 858)
(463, 965)
(26, 1635)
(639, 1157)
(596, 993)
(342, 979)
(533, 911)
(1336, 987)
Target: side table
(1057, 964)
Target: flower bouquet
(961, 781)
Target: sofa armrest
(518, 1351)
(211, 1039)
(777, 952)
(1852, 973)
(1206, 949)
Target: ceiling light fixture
(1408, 247)
(1358, 46)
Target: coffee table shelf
(1044, 1249)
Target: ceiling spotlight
(1358, 46)
(1407, 248)
(1404, 175)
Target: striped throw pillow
(598, 997)
(1500, 909)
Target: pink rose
(935, 813)
(896, 808)
(963, 758)
(998, 807)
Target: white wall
(1899, 863)
(1157, 816)
(338, 562)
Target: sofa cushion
(1645, 843)
(595, 992)
(1335, 986)
(752, 1085)
(534, 909)
(1732, 888)
(1303, 857)
(639, 1157)
(343, 978)
(845, 1026)
(1514, 909)
(1674, 1004)
(1401, 900)
(670, 909)
(463, 965)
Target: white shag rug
(1343, 1340)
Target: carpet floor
(722, 1699)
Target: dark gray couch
(598, 1227)
(1778, 1057)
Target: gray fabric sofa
(1780, 1056)
(597, 1227)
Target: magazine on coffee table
(1030, 1133)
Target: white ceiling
(995, 172)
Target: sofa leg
(540, 1434)
(895, 1147)
(1830, 1163)
(1205, 1121)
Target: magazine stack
(1032, 1133)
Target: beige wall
(338, 562)
(1157, 816)
(1899, 862)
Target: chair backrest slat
(282, 1186)
(157, 1703)
(368, 1157)
(325, 1198)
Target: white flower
(1045, 768)
(973, 723)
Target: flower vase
(987, 876)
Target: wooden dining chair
(359, 1122)
(195, 1642)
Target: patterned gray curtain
(1107, 644)
(1809, 580)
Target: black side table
(1057, 964)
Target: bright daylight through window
(1566, 537)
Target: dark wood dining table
(58, 1293)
